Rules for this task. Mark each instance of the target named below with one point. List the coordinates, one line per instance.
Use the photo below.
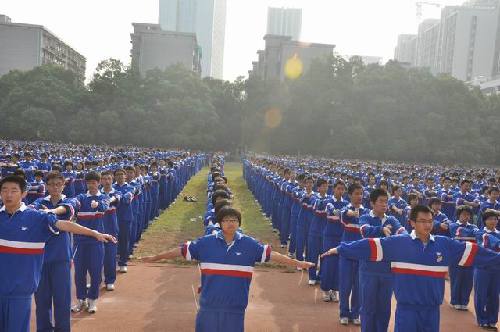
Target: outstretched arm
(282, 259)
(169, 254)
(68, 226)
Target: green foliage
(338, 108)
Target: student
(441, 222)
(36, 188)
(375, 277)
(397, 205)
(23, 249)
(110, 223)
(461, 277)
(54, 291)
(226, 260)
(419, 279)
(318, 224)
(349, 268)
(332, 233)
(89, 253)
(125, 216)
(491, 203)
(487, 280)
(304, 217)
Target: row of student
(315, 222)
(112, 205)
(226, 257)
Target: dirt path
(162, 298)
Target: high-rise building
(154, 48)
(206, 19)
(284, 22)
(468, 40)
(285, 58)
(427, 44)
(25, 46)
(406, 49)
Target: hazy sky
(100, 29)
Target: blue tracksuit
(303, 223)
(89, 253)
(226, 273)
(22, 237)
(419, 279)
(314, 239)
(110, 222)
(440, 218)
(398, 203)
(54, 289)
(487, 282)
(461, 277)
(332, 233)
(375, 277)
(297, 193)
(125, 216)
(349, 268)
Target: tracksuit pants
(124, 241)
(110, 250)
(89, 257)
(486, 293)
(416, 318)
(293, 233)
(219, 321)
(461, 281)
(329, 270)
(302, 234)
(15, 313)
(54, 289)
(314, 245)
(349, 288)
(376, 293)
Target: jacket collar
(22, 207)
(414, 236)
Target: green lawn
(183, 220)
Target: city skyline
(94, 30)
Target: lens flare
(273, 117)
(294, 67)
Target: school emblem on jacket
(439, 257)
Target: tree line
(338, 108)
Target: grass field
(183, 220)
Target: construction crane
(420, 4)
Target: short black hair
(228, 211)
(353, 187)
(92, 175)
(493, 188)
(434, 200)
(339, 183)
(320, 182)
(488, 214)
(376, 193)
(38, 173)
(219, 194)
(14, 179)
(419, 209)
(463, 208)
(54, 175)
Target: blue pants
(486, 293)
(314, 246)
(15, 314)
(302, 233)
(133, 234)
(461, 281)
(349, 287)
(124, 241)
(418, 318)
(376, 293)
(88, 258)
(54, 288)
(293, 233)
(110, 250)
(285, 224)
(219, 321)
(329, 270)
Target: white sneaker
(283, 245)
(356, 321)
(92, 306)
(456, 306)
(312, 282)
(123, 269)
(334, 296)
(327, 296)
(344, 320)
(110, 287)
(464, 308)
(79, 306)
